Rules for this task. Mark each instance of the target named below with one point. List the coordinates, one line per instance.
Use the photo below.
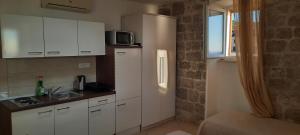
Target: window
(216, 34)
(233, 17)
(222, 28)
(162, 68)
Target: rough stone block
(193, 96)
(293, 73)
(178, 8)
(297, 32)
(276, 45)
(276, 20)
(294, 45)
(182, 93)
(185, 83)
(284, 33)
(294, 20)
(199, 85)
(272, 60)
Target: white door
(102, 119)
(159, 33)
(167, 41)
(22, 36)
(128, 114)
(91, 38)
(71, 118)
(128, 73)
(150, 91)
(60, 37)
(33, 122)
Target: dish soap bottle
(40, 90)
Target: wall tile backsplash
(18, 77)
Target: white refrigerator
(157, 34)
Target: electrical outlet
(84, 65)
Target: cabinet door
(72, 118)
(128, 114)
(22, 36)
(102, 119)
(128, 73)
(33, 122)
(60, 37)
(91, 38)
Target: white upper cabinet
(60, 37)
(22, 36)
(91, 38)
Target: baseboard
(131, 131)
(159, 123)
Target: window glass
(235, 26)
(216, 34)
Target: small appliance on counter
(94, 86)
(80, 82)
(119, 38)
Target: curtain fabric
(250, 36)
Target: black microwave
(119, 38)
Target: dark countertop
(125, 46)
(46, 101)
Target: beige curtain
(249, 43)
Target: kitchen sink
(65, 95)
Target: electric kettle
(80, 82)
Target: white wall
(224, 90)
(107, 11)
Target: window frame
(230, 53)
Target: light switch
(84, 65)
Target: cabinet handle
(102, 100)
(121, 104)
(86, 51)
(66, 108)
(121, 52)
(44, 112)
(99, 110)
(35, 53)
(53, 52)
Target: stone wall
(191, 58)
(282, 57)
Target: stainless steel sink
(65, 95)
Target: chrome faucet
(51, 92)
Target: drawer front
(101, 100)
(128, 114)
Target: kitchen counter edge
(46, 101)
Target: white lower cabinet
(128, 114)
(102, 119)
(33, 122)
(96, 116)
(72, 118)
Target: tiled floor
(171, 126)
